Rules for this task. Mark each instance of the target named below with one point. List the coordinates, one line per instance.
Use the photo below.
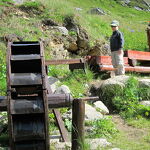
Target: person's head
(114, 25)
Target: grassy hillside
(25, 21)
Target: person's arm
(121, 41)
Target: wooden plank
(139, 69)
(25, 79)
(3, 103)
(25, 57)
(138, 55)
(30, 145)
(63, 61)
(26, 128)
(60, 123)
(106, 60)
(27, 106)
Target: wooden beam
(63, 61)
(139, 69)
(60, 123)
(3, 103)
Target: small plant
(68, 124)
(127, 103)
(72, 33)
(102, 128)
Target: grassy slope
(132, 22)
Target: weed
(102, 128)
(127, 103)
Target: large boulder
(88, 115)
(83, 42)
(100, 48)
(63, 89)
(92, 116)
(144, 86)
(145, 103)
(101, 107)
(53, 83)
(109, 88)
(145, 83)
(97, 11)
(70, 23)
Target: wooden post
(78, 114)
(148, 35)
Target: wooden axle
(54, 101)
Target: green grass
(131, 21)
(138, 140)
(102, 128)
(77, 81)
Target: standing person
(116, 46)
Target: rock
(97, 143)
(103, 109)
(97, 11)
(95, 86)
(63, 89)
(18, 1)
(63, 30)
(73, 47)
(138, 8)
(110, 88)
(78, 9)
(57, 49)
(67, 115)
(144, 83)
(12, 37)
(88, 115)
(145, 103)
(70, 23)
(53, 82)
(91, 116)
(63, 145)
(49, 22)
(82, 39)
(115, 149)
(126, 1)
(100, 48)
(54, 141)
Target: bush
(127, 104)
(102, 128)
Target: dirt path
(131, 132)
